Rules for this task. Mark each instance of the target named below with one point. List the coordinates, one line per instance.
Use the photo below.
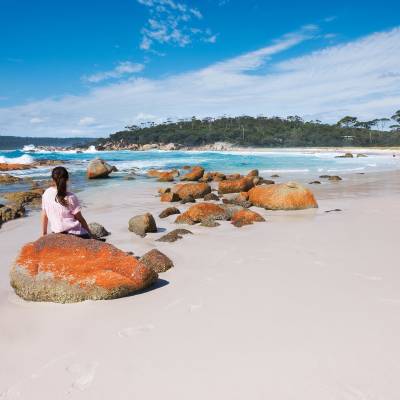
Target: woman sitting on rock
(61, 208)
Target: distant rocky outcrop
(287, 196)
(65, 268)
(98, 169)
(346, 155)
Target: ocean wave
(24, 159)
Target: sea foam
(25, 159)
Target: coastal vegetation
(291, 131)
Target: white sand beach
(305, 306)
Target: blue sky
(91, 67)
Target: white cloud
(86, 121)
(122, 69)
(173, 23)
(36, 120)
(360, 78)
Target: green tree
(348, 122)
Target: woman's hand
(78, 216)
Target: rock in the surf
(194, 175)
(98, 169)
(9, 179)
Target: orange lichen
(14, 167)
(83, 262)
(196, 190)
(163, 176)
(246, 217)
(194, 175)
(287, 196)
(200, 212)
(236, 185)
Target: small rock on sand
(142, 224)
(157, 261)
(174, 235)
(98, 230)
(169, 211)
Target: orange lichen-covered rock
(213, 176)
(196, 190)
(163, 176)
(14, 167)
(194, 175)
(246, 217)
(200, 212)
(286, 196)
(65, 268)
(235, 186)
(233, 177)
(169, 197)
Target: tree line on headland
(262, 131)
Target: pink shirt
(62, 218)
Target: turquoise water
(288, 164)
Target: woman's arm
(45, 222)
(78, 216)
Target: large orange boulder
(201, 212)
(196, 190)
(236, 185)
(245, 217)
(285, 196)
(194, 175)
(14, 167)
(65, 268)
(98, 169)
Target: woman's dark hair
(60, 177)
